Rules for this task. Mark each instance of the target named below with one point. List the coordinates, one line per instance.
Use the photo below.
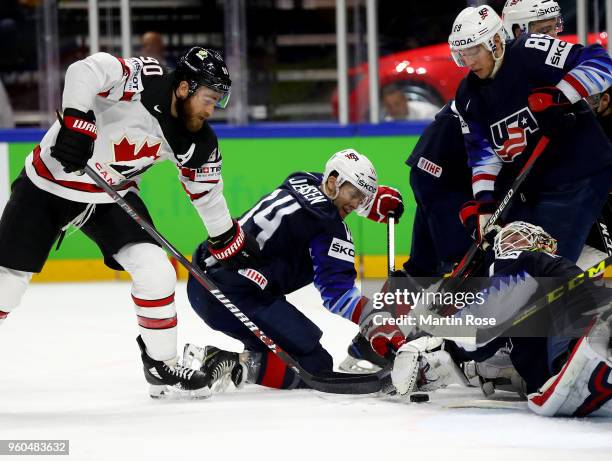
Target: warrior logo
(510, 134)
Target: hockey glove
(475, 215)
(75, 140)
(387, 200)
(378, 326)
(552, 110)
(235, 249)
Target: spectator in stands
(7, 119)
(152, 44)
(398, 107)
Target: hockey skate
(172, 381)
(223, 369)
(361, 358)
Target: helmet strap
(498, 60)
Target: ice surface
(71, 370)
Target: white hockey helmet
(524, 12)
(523, 236)
(351, 166)
(474, 27)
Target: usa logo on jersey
(510, 134)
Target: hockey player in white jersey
(120, 116)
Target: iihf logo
(510, 134)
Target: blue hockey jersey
(440, 151)
(303, 240)
(500, 130)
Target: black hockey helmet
(201, 66)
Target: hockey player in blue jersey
(560, 375)
(441, 182)
(303, 238)
(532, 17)
(568, 186)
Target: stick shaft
(354, 384)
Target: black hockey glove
(552, 110)
(475, 215)
(75, 139)
(235, 249)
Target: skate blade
(172, 393)
(353, 365)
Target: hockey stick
(467, 265)
(602, 225)
(335, 383)
(390, 244)
(548, 298)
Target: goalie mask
(523, 12)
(474, 27)
(351, 166)
(523, 236)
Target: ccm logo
(341, 249)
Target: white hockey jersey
(131, 100)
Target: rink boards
(256, 159)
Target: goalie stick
(335, 383)
(602, 223)
(480, 336)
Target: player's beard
(190, 121)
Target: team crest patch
(510, 134)
(254, 276)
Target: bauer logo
(510, 134)
(558, 54)
(341, 249)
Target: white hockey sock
(13, 285)
(157, 324)
(153, 284)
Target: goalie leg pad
(13, 285)
(583, 387)
(153, 285)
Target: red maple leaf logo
(125, 151)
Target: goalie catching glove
(235, 249)
(423, 365)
